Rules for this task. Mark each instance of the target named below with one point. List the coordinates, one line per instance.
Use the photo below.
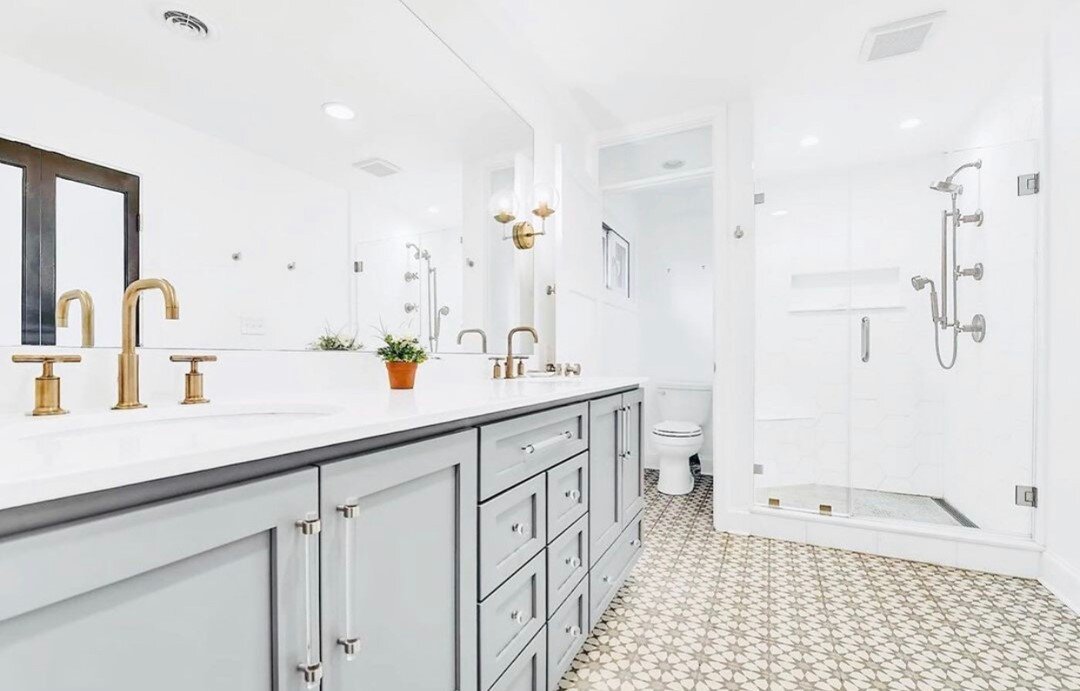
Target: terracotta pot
(402, 374)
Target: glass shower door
(803, 295)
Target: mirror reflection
(291, 192)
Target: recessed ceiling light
(186, 24)
(779, 212)
(338, 111)
(433, 210)
(809, 140)
(674, 164)
(910, 123)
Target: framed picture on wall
(616, 262)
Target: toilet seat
(672, 429)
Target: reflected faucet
(128, 375)
(510, 347)
(483, 337)
(86, 308)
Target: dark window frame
(41, 170)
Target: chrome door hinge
(309, 526)
(1027, 496)
(1027, 184)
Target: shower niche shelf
(854, 289)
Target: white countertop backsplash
(318, 399)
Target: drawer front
(567, 562)
(608, 575)
(527, 672)
(566, 632)
(567, 494)
(513, 529)
(515, 450)
(510, 618)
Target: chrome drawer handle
(541, 445)
(635, 543)
(518, 616)
(349, 643)
(520, 528)
(574, 631)
(606, 579)
(311, 668)
(573, 494)
(573, 561)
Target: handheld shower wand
(920, 282)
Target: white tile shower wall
(202, 199)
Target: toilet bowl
(675, 442)
(684, 408)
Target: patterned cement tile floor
(707, 610)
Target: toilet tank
(685, 401)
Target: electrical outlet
(252, 326)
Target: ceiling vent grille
(898, 38)
(185, 23)
(378, 167)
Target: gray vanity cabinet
(616, 483)
(399, 567)
(216, 591)
(633, 479)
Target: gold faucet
(128, 375)
(510, 347)
(86, 305)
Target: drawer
(608, 575)
(515, 450)
(566, 633)
(510, 618)
(513, 529)
(567, 494)
(567, 562)
(527, 672)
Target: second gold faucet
(127, 378)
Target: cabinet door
(605, 445)
(206, 592)
(399, 567)
(633, 480)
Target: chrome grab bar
(541, 445)
(866, 339)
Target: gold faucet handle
(46, 386)
(193, 380)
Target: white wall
(11, 186)
(1061, 475)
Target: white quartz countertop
(47, 458)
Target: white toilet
(684, 408)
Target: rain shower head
(947, 186)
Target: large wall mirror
(292, 173)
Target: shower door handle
(866, 339)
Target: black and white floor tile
(706, 610)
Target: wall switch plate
(252, 326)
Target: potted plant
(335, 340)
(401, 356)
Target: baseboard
(1061, 579)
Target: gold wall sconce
(503, 208)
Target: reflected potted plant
(335, 340)
(401, 355)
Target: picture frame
(616, 262)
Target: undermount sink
(202, 420)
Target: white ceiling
(633, 61)
(261, 78)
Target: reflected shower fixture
(503, 207)
(942, 319)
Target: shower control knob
(975, 272)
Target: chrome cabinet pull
(573, 494)
(518, 616)
(541, 445)
(866, 339)
(349, 643)
(520, 528)
(573, 630)
(573, 561)
(635, 543)
(606, 579)
(620, 432)
(626, 432)
(311, 668)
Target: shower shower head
(920, 282)
(947, 186)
